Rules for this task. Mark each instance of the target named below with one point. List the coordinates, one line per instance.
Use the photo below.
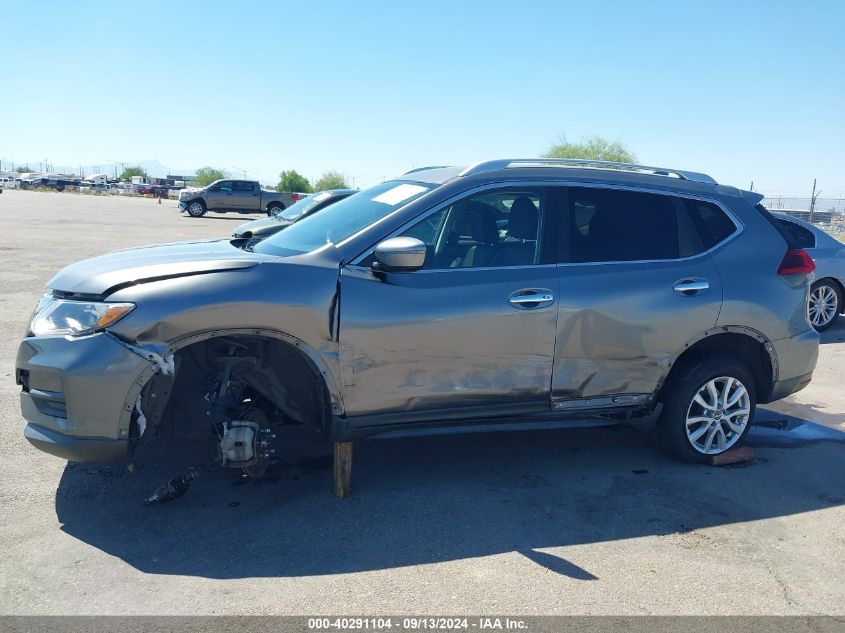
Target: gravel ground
(593, 521)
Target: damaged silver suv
(532, 293)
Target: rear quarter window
(711, 222)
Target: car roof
(587, 171)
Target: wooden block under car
(733, 456)
(342, 469)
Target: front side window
(224, 186)
(486, 230)
(610, 225)
(803, 237)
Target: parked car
(828, 253)
(242, 196)
(259, 229)
(8, 183)
(32, 181)
(529, 293)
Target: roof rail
(415, 170)
(492, 165)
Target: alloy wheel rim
(822, 305)
(718, 415)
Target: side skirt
(507, 417)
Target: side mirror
(399, 254)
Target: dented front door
(455, 339)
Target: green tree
(23, 170)
(591, 148)
(128, 172)
(207, 175)
(293, 181)
(331, 180)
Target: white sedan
(828, 253)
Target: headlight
(59, 316)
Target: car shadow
(835, 334)
(234, 218)
(436, 499)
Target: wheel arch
(747, 344)
(159, 377)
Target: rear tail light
(796, 261)
(295, 197)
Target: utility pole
(813, 198)
(751, 187)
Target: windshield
(298, 208)
(342, 219)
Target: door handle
(530, 298)
(691, 287)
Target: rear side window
(242, 185)
(803, 237)
(713, 224)
(607, 225)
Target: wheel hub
(718, 415)
(823, 305)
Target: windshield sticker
(398, 194)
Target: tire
(275, 209)
(196, 208)
(825, 304)
(700, 438)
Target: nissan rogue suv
(531, 293)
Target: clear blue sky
(741, 90)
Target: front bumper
(78, 394)
(78, 449)
(183, 205)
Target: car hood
(107, 273)
(257, 228)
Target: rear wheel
(708, 407)
(275, 209)
(196, 209)
(825, 304)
